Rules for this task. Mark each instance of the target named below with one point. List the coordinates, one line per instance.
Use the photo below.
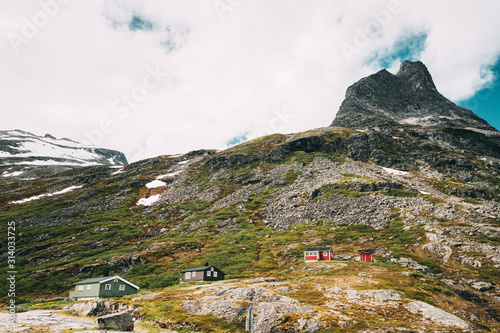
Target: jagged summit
(408, 97)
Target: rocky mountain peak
(409, 97)
(417, 75)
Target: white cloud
(225, 77)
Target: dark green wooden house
(103, 287)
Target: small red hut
(366, 255)
(318, 254)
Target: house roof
(196, 269)
(103, 280)
(319, 248)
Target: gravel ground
(44, 321)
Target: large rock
(122, 321)
(482, 286)
(231, 303)
(437, 245)
(437, 315)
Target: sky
(161, 77)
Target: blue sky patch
(237, 140)
(486, 102)
(138, 23)
(407, 47)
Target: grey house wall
(93, 292)
(199, 276)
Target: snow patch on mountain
(395, 172)
(36, 197)
(148, 201)
(12, 174)
(155, 184)
(168, 175)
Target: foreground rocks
(44, 321)
(437, 315)
(233, 302)
(285, 306)
(120, 321)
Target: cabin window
(115, 280)
(107, 287)
(80, 288)
(194, 274)
(325, 253)
(209, 273)
(215, 274)
(188, 275)
(122, 287)
(89, 287)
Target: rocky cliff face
(407, 98)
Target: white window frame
(209, 273)
(122, 287)
(89, 287)
(215, 274)
(80, 288)
(107, 286)
(115, 280)
(194, 274)
(325, 253)
(188, 275)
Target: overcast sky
(162, 77)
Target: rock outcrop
(97, 308)
(122, 321)
(437, 315)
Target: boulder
(122, 321)
(482, 286)
(437, 315)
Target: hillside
(425, 195)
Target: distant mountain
(24, 150)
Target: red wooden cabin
(318, 254)
(366, 255)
